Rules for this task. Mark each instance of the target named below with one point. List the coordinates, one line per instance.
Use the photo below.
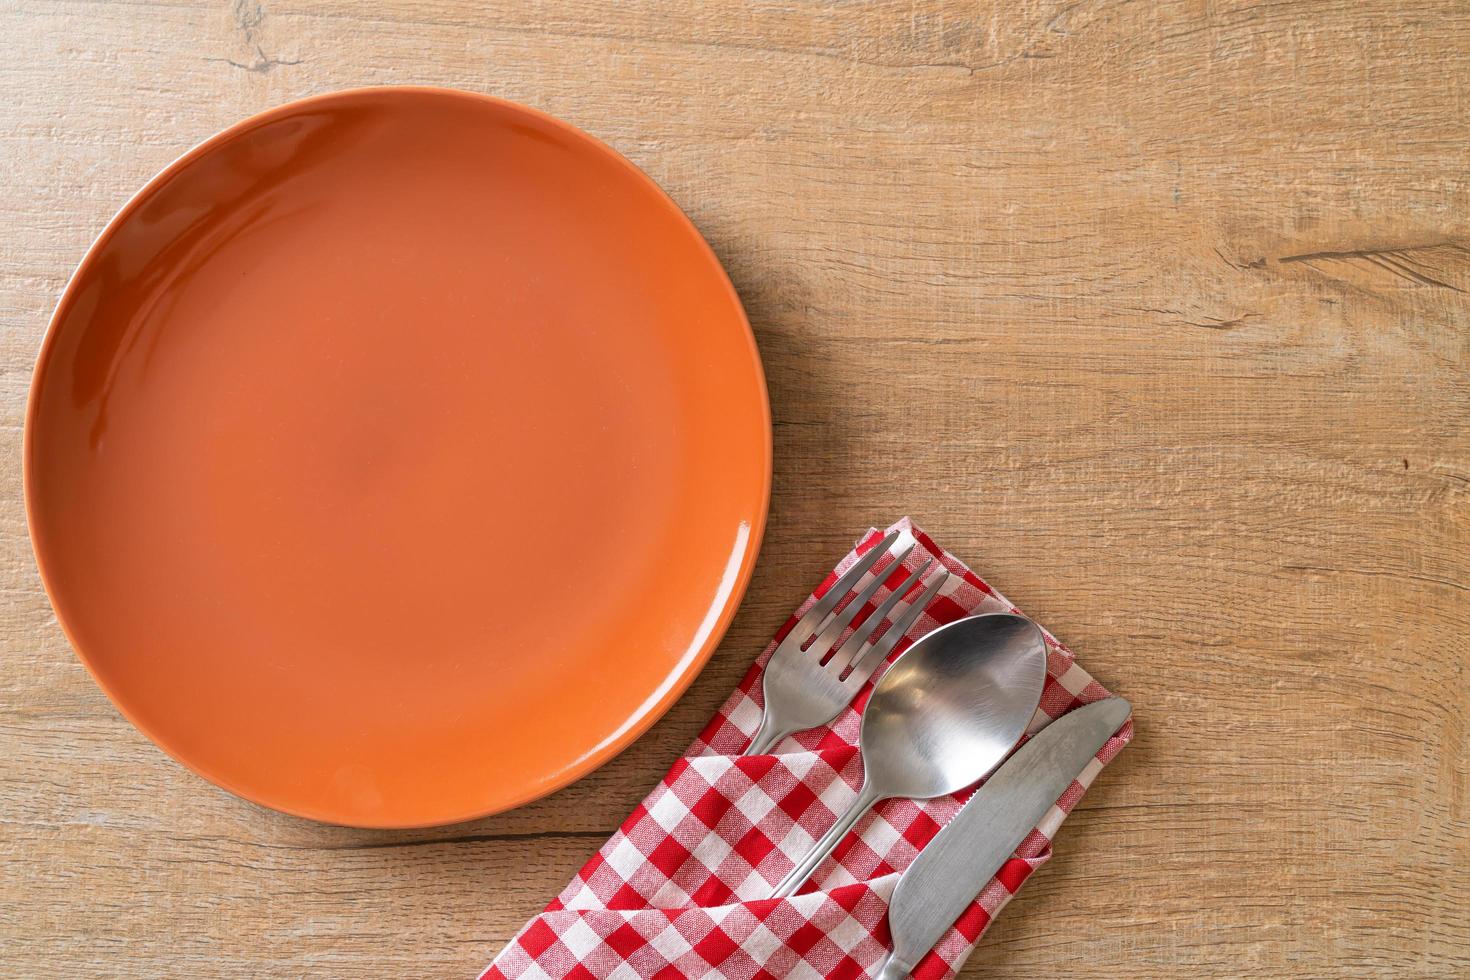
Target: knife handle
(891, 970)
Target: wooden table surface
(1156, 313)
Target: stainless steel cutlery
(968, 851)
(809, 679)
(942, 717)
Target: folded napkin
(680, 890)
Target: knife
(947, 875)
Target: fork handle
(766, 736)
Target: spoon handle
(865, 799)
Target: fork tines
(819, 629)
(810, 678)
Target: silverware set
(943, 716)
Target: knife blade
(967, 852)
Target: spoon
(945, 714)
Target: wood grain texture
(1157, 313)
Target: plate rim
(648, 713)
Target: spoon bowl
(960, 696)
(942, 717)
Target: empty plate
(397, 456)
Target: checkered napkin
(680, 890)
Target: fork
(807, 682)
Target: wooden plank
(1156, 313)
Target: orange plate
(397, 456)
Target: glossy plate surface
(397, 456)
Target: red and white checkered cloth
(679, 892)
